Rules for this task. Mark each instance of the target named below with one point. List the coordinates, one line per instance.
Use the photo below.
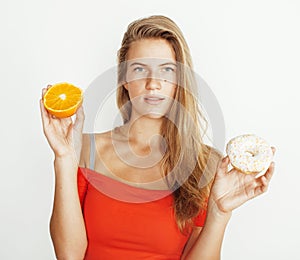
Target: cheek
(171, 91)
(134, 89)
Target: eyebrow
(142, 64)
(168, 63)
(137, 63)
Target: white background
(247, 51)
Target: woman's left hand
(232, 189)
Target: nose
(153, 83)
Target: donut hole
(251, 153)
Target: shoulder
(102, 142)
(104, 137)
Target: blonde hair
(191, 162)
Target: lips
(153, 99)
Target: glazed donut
(249, 153)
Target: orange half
(63, 99)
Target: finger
(69, 132)
(44, 90)
(270, 171)
(78, 125)
(260, 189)
(273, 150)
(259, 186)
(44, 114)
(63, 124)
(264, 180)
(223, 165)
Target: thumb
(70, 133)
(223, 166)
(78, 124)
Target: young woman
(150, 188)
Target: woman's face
(151, 77)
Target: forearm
(67, 226)
(209, 243)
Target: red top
(126, 222)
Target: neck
(142, 130)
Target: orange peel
(63, 99)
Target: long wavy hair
(188, 164)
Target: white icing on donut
(249, 153)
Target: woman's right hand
(64, 136)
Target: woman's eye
(138, 69)
(168, 69)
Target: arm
(229, 191)
(207, 245)
(67, 227)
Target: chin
(151, 112)
(154, 116)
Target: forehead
(151, 48)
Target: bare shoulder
(104, 139)
(104, 135)
(103, 142)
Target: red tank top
(127, 222)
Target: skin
(151, 70)
(67, 228)
(230, 189)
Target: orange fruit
(63, 99)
